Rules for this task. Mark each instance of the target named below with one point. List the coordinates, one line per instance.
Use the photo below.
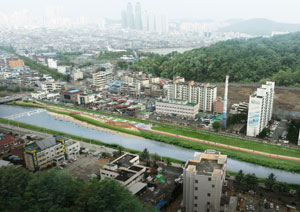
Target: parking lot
(255, 203)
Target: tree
(168, 161)
(49, 190)
(281, 188)
(250, 181)
(145, 155)
(270, 181)
(239, 177)
(13, 181)
(107, 195)
(57, 191)
(297, 195)
(120, 150)
(216, 125)
(263, 133)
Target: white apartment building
(202, 94)
(77, 74)
(51, 86)
(101, 78)
(260, 108)
(177, 107)
(39, 94)
(62, 69)
(52, 63)
(86, 98)
(203, 180)
(72, 148)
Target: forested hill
(252, 60)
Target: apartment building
(71, 147)
(198, 93)
(102, 78)
(127, 171)
(260, 108)
(51, 86)
(41, 154)
(77, 75)
(48, 151)
(177, 107)
(52, 63)
(86, 98)
(203, 180)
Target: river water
(44, 119)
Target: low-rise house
(8, 143)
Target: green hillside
(245, 60)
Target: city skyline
(199, 10)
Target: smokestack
(225, 104)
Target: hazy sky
(278, 10)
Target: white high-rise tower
(260, 108)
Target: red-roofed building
(8, 142)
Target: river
(44, 119)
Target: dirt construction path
(226, 146)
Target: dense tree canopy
(56, 190)
(244, 60)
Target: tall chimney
(225, 104)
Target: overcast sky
(278, 10)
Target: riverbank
(87, 125)
(188, 143)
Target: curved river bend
(44, 119)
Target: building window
(208, 203)
(196, 205)
(209, 179)
(207, 210)
(196, 188)
(213, 186)
(196, 197)
(208, 194)
(196, 181)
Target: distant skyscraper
(130, 18)
(138, 16)
(124, 19)
(145, 21)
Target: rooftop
(177, 102)
(124, 160)
(124, 175)
(208, 164)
